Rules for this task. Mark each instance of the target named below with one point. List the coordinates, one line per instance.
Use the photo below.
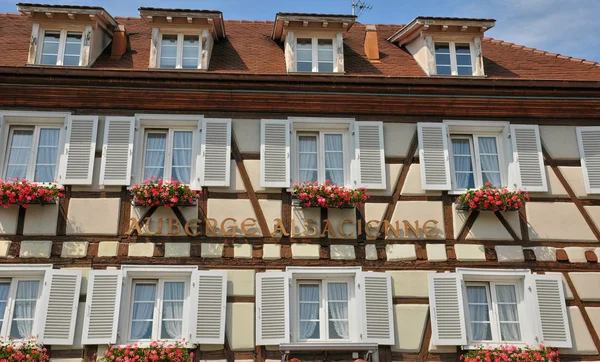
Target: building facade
(243, 111)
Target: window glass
(47, 154)
(325, 53)
(442, 59)
(304, 55)
(463, 163)
(24, 310)
(172, 310)
(508, 312)
(490, 166)
(143, 311)
(463, 59)
(182, 157)
(334, 158)
(156, 145)
(477, 297)
(4, 289)
(20, 151)
(309, 305)
(72, 49)
(168, 51)
(50, 47)
(337, 300)
(308, 160)
(191, 47)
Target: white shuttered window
(370, 154)
(117, 151)
(61, 301)
(377, 303)
(102, 307)
(272, 308)
(209, 289)
(589, 150)
(216, 152)
(80, 147)
(527, 155)
(474, 307)
(433, 156)
(275, 153)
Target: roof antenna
(358, 6)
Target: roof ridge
(541, 52)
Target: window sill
(296, 203)
(327, 346)
(492, 345)
(176, 205)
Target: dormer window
(61, 48)
(182, 39)
(445, 46)
(66, 35)
(313, 43)
(453, 58)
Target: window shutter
(378, 326)
(61, 300)
(209, 296)
(434, 156)
(102, 307)
(117, 151)
(527, 154)
(80, 148)
(589, 151)
(216, 151)
(275, 153)
(272, 308)
(370, 154)
(447, 311)
(197, 159)
(548, 301)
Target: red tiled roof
(249, 49)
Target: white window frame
(472, 130)
(158, 304)
(33, 153)
(170, 135)
(453, 63)
(308, 125)
(323, 309)
(61, 45)
(157, 122)
(179, 60)
(315, 53)
(493, 311)
(323, 275)
(320, 135)
(10, 306)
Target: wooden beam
(468, 225)
(586, 318)
(507, 226)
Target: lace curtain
(47, 155)
(172, 314)
(479, 313)
(309, 311)
(182, 157)
(143, 311)
(334, 159)
(156, 145)
(24, 313)
(337, 297)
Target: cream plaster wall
(560, 141)
(240, 282)
(239, 209)
(164, 213)
(272, 210)
(392, 172)
(336, 216)
(253, 169)
(300, 216)
(93, 216)
(555, 187)
(410, 284)
(587, 286)
(557, 221)
(236, 184)
(239, 326)
(397, 137)
(41, 220)
(420, 211)
(574, 176)
(412, 184)
(410, 321)
(8, 219)
(580, 335)
(247, 134)
(486, 226)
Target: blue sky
(568, 27)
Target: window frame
(61, 46)
(8, 317)
(493, 311)
(315, 53)
(323, 281)
(34, 150)
(179, 56)
(158, 303)
(476, 158)
(453, 58)
(320, 135)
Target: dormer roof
(412, 30)
(68, 13)
(312, 21)
(185, 17)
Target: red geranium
(28, 351)
(492, 198)
(24, 192)
(512, 354)
(156, 351)
(158, 192)
(314, 194)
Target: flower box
(18, 351)
(490, 198)
(512, 354)
(154, 192)
(326, 195)
(155, 351)
(24, 192)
